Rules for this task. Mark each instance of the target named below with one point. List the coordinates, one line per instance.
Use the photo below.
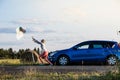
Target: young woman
(44, 51)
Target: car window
(97, 46)
(111, 45)
(83, 47)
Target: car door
(96, 52)
(80, 51)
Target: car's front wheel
(111, 60)
(63, 60)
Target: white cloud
(29, 21)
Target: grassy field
(31, 75)
(15, 62)
(10, 62)
(35, 75)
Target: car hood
(63, 50)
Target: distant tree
(11, 53)
(1, 53)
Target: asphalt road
(59, 69)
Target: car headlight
(52, 53)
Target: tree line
(20, 54)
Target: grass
(31, 75)
(13, 62)
(10, 61)
(35, 75)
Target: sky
(62, 23)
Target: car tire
(111, 60)
(63, 60)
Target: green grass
(10, 62)
(15, 62)
(35, 75)
(31, 75)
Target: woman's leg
(44, 55)
(46, 59)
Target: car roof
(101, 41)
(92, 41)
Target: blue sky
(62, 23)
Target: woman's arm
(36, 41)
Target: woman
(44, 51)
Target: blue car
(93, 51)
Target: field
(30, 75)
(14, 62)
(9, 62)
(12, 69)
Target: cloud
(49, 31)
(7, 30)
(74, 11)
(13, 30)
(29, 30)
(41, 30)
(34, 21)
(36, 25)
(9, 43)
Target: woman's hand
(33, 38)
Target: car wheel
(63, 60)
(112, 60)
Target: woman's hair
(43, 40)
